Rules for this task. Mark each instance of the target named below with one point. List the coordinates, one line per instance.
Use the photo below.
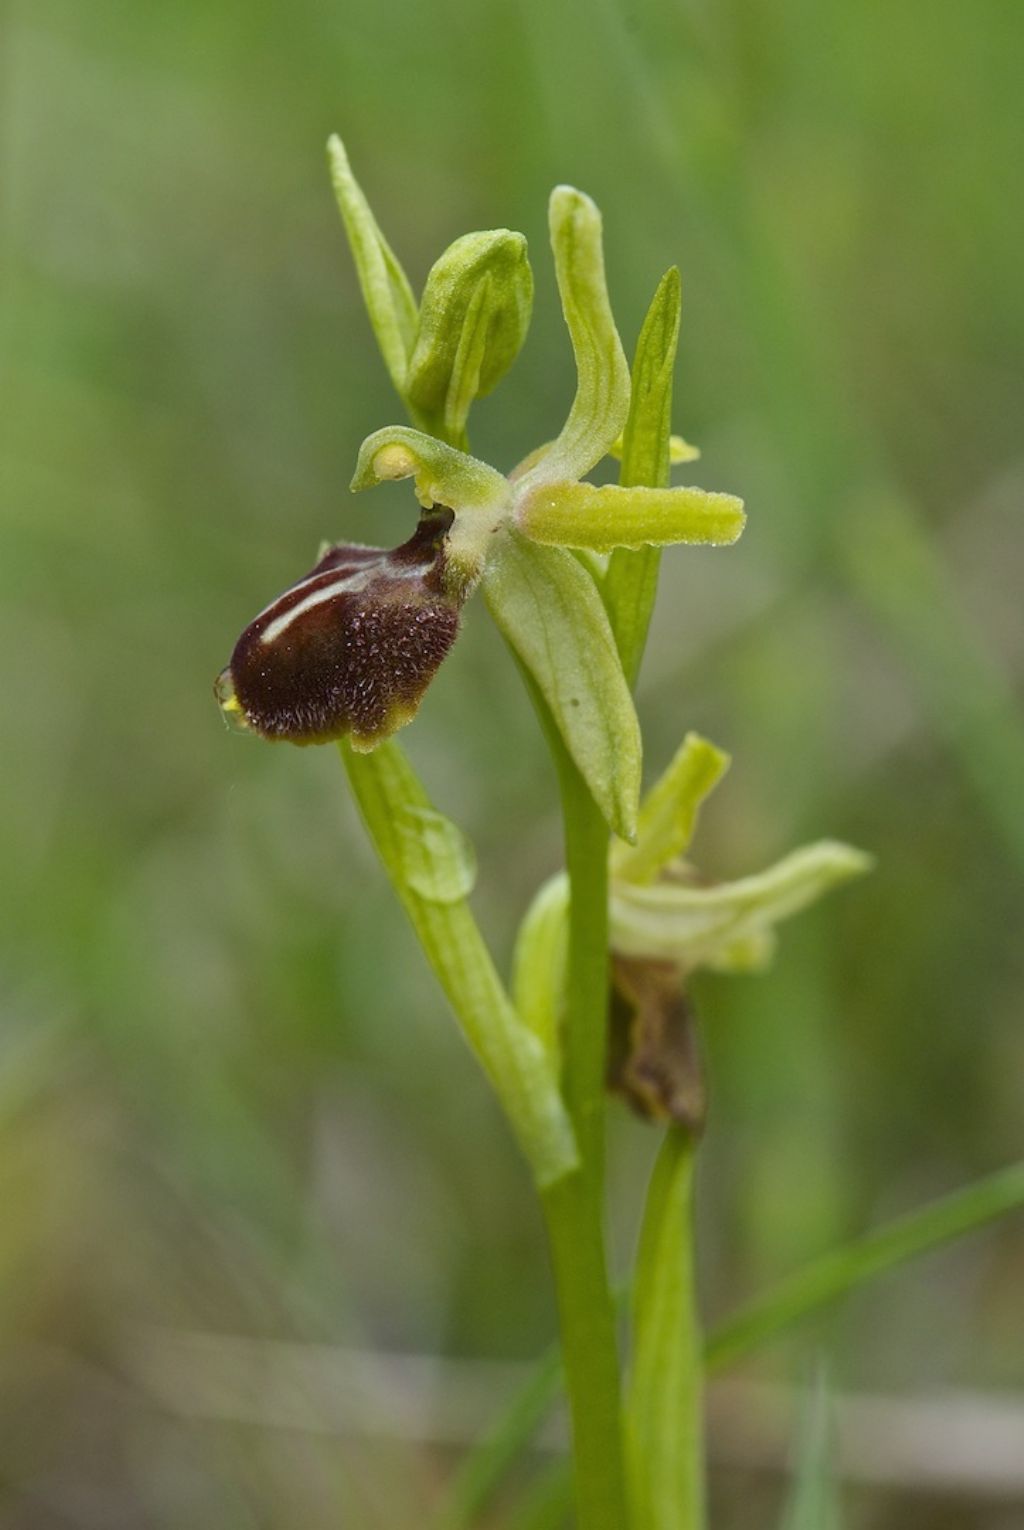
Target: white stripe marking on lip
(347, 584)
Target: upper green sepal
(668, 813)
(474, 316)
(386, 291)
(601, 405)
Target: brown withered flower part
(653, 1054)
(350, 648)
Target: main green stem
(574, 1207)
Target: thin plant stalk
(827, 1280)
(574, 1207)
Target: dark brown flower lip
(350, 648)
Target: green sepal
(540, 964)
(386, 291)
(631, 583)
(548, 608)
(474, 315)
(715, 926)
(395, 807)
(602, 519)
(668, 812)
(601, 404)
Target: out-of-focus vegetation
(234, 1114)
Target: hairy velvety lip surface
(350, 648)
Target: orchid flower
(349, 649)
(666, 921)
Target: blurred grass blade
(601, 405)
(663, 1402)
(547, 607)
(826, 1280)
(391, 801)
(836, 1274)
(547, 1502)
(668, 812)
(814, 1499)
(497, 1452)
(385, 286)
(888, 558)
(631, 583)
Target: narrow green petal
(548, 608)
(668, 813)
(474, 316)
(599, 409)
(385, 286)
(581, 515)
(431, 880)
(695, 925)
(539, 964)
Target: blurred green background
(234, 1114)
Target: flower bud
(351, 647)
(473, 320)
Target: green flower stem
(415, 845)
(826, 1280)
(664, 1397)
(574, 1208)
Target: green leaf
(814, 1499)
(385, 287)
(601, 404)
(474, 316)
(395, 807)
(601, 519)
(540, 964)
(701, 926)
(548, 608)
(664, 1423)
(668, 813)
(631, 582)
